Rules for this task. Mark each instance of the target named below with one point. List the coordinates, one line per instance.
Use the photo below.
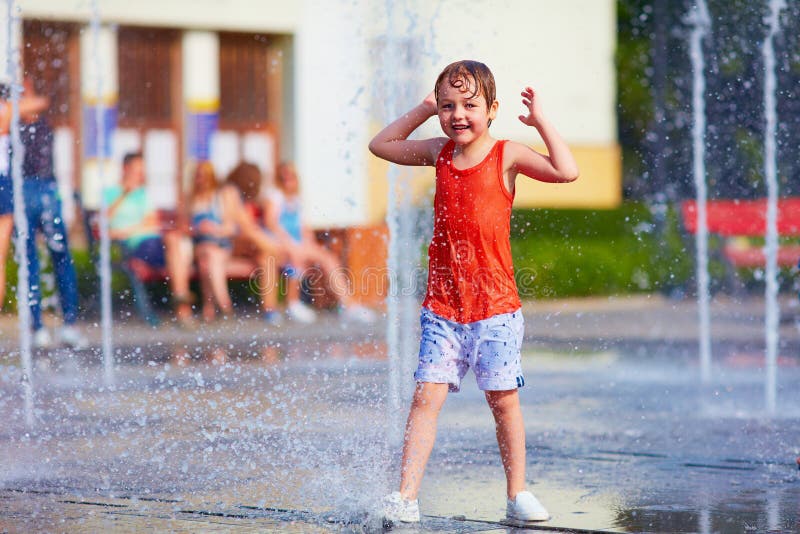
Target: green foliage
(655, 98)
(557, 253)
(564, 253)
(87, 279)
(9, 303)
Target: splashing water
(20, 220)
(309, 434)
(701, 21)
(105, 242)
(401, 304)
(770, 175)
(393, 223)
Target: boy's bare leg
(420, 435)
(510, 437)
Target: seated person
(283, 218)
(136, 226)
(239, 196)
(212, 233)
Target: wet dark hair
(462, 74)
(247, 179)
(130, 156)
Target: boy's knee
(430, 394)
(502, 400)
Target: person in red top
(471, 314)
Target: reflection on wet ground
(291, 436)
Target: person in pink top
(471, 314)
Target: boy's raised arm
(392, 143)
(559, 165)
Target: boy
(471, 313)
(134, 222)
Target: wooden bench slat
(237, 268)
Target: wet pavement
(242, 427)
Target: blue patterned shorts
(490, 347)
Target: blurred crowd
(226, 228)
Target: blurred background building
(266, 80)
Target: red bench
(361, 249)
(745, 219)
(139, 272)
(237, 268)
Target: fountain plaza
(238, 427)
(642, 415)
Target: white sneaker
(360, 314)
(397, 509)
(299, 312)
(526, 507)
(72, 337)
(41, 339)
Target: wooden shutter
(244, 98)
(149, 80)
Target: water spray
(701, 21)
(772, 318)
(105, 240)
(20, 220)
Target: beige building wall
(563, 48)
(231, 15)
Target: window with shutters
(245, 98)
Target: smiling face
(464, 114)
(465, 98)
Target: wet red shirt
(471, 273)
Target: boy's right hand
(392, 143)
(430, 104)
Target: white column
(16, 31)
(200, 91)
(331, 64)
(99, 87)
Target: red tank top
(471, 273)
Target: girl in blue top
(283, 218)
(212, 232)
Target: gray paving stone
(293, 432)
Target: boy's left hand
(530, 101)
